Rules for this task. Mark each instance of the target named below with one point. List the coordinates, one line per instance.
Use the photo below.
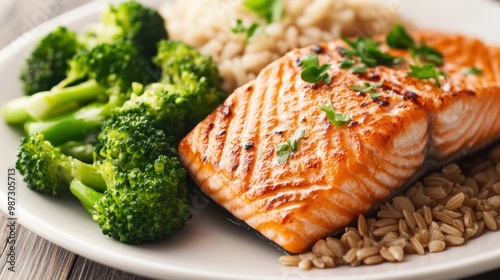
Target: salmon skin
(336, 173)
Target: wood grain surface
(36, 257)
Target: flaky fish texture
(339, 172)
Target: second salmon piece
(403, 127)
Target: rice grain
(436, 246)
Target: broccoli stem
(79, 150)
(87, 174)
(14, 111)
(46, 104)
(86, 195)
(70, 126)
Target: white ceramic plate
(210, 247)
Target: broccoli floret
(195, 78)
(132, 206)
(144, 205)
(105, 73)
(162, 102)
(47, 64)
(131, 21)
(198, 96)
(131, 139)
(176, 58)
(47, 170)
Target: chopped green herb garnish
(347, 63)
(369, 53)
(375, 95)
(284, 150)
(428, 54)
(352, 65)
(367, 87)
(398, 38)
(335, 118)
(312, 72)
(248, 31)
(270, 10)
(472, 71)
(426, 71)
(358, 69)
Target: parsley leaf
(358, 69)
(335, 118)
(353, 66)
(294, 141)
(270, 10)
(366, 88)
(312, 72)
(398, 38)
(240, 28)
(369, 53)
(428, 54)
(472, 71)
(284, 150)
(347, 63)
(426, 71)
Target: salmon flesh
(335, 173)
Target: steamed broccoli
(131, 21)
(47, 170)
(133, 206)
(128, 177)
(175, 58)
(81, 150)
(72, 126)
(105, 72)
(164, 103)
(47, 63)
(195, 74)
(131, 139)
(142, 205)
(189, 91)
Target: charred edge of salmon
(427, 167)
(230, 217)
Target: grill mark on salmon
(339, 172)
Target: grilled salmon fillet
(339, 172)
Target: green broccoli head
(198, 96)
(115, 66)
(194, 78)
(105, 73)
(41, 164)
(175, 58)
(149, 205)
(131, 21)
(131, 139)
(45, 169)
(161, 102)
(47, 63)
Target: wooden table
(38, 258)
